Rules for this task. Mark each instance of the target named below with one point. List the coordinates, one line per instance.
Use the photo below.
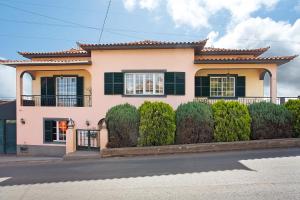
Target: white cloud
(7, 82)
(149, 4)
(143, 4)
(197, 13)
(129, 4)
(212, 36)
(239, 9)
(284, 39)
(188, 12)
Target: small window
(55, 130)
(222, 86)
(144, 83)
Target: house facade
(80, 85)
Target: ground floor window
(55, 130)
(222, 86)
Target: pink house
(80, 85)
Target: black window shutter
(169, 83)
(48, 91)
(118, 83)
(51, 100)
(108, 83)
(202, 86)
(240, 86)
(198, 90)
(113, 83)
(80, 91)
(175, 83)
(48, 126)
(180, 83)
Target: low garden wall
(201, 147)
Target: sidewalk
(13, 159)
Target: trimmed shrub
(232, 121)
(157, 124)
(294, 107)
(123, 126)
(194, 123)
(270, 121)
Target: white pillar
(103, 136)
(273, 85)
(70, 137)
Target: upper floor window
(66, 91)
(222, 86)
(144, 83)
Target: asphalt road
(262, 174)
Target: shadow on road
(134, 167)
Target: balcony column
(273, 85)
(19, 85)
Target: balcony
(245, 100)
(57, 100)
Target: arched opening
(27, 79)
(265, 76)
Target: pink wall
(180, 60)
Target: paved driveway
(264, 174)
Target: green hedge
(157, 124)
(232, 121)
(294, 107)
(194, 122)
(123, 125)
(270, 121)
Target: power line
(126, 35)
(46, 16)
(68, 8)
(36, 37)
(119, 31)
(43, 23)
(107, 10)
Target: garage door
(8, 136)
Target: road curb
(200, 148)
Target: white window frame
(144, 75)
(66, 99)
(57, 133)
(222, 86)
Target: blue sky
(49, 25)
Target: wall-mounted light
(22, 120)
(71, 123)
(87, 122)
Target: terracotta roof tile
(224, 51)
(280, 60)
(66, 53)
(14, 63)
(145, 44)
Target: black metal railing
(245, 100)
(57, 100)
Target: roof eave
(53, 55)
(254, 52)
(198, 46)
(45, 64)
(246, 61)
